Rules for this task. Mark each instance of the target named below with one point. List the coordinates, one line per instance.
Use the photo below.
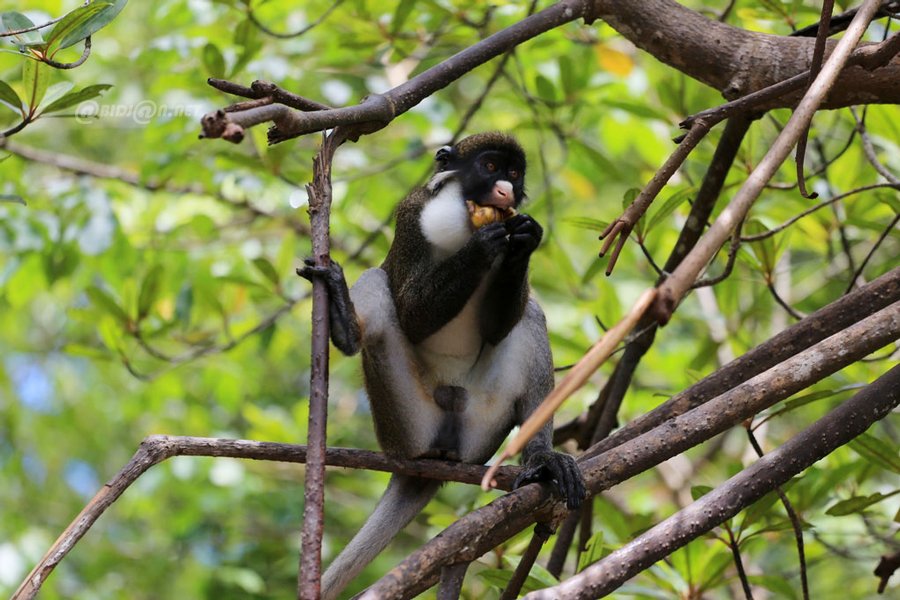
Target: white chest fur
(445, 221)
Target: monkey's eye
(513, 174)
(490, 166)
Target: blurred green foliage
(162, 299)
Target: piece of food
(485, 215)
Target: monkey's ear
(443, 157)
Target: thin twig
(792, 516)
(884, 234)
(84, 56)
(779, 228)
(621, 227)
(738, 562)
(158, 448)
(814, 66)
(265, 29)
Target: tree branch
(672, 291)
(837, 428)
(157, 448)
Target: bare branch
(157, 448)
(672, 291)
(826, 321)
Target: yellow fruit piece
(485, 215)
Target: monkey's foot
(558, 469)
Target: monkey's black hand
(345, 331)
(558, 469)
(490, 240)
(524, 237)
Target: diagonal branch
(673, 290)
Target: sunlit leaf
(9, 98)
(857, 504)
(70, 25)
(77, 97)
(213, 60)
(593, 551)
(882, 454)
(94, 23)
(14, 21)
(614, 61)
(35, 78)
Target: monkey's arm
(430, 293)
(504, 303)
(345, 330)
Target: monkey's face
(494, 178)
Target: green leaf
(213, 61)
(265, 267)
(545, 89)
(642, 111)
(93, 24)
(765, 250)
(35, 77)
(877, 452)
(857, 504)
(26, 282)
(149, 290)
(400, 15)
(11, 21)
(669, 206)
(698, 491)
(775, 583)
(184, 302)
(77, 97)
(593, 551)
(9, 97)
(105, 302)
(758, 509)
(567, 76)
(70, 25)
(54, 93)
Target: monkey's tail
(404, 498)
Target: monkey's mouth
(481, 215)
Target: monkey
(455, 351)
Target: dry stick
(826, 321)
(573, 380)
(485, 528)
(157, 448)
(310, 572)
(621, 227)
(672, 291)
(837, 428)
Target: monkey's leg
(407, 418)
(524, 356)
